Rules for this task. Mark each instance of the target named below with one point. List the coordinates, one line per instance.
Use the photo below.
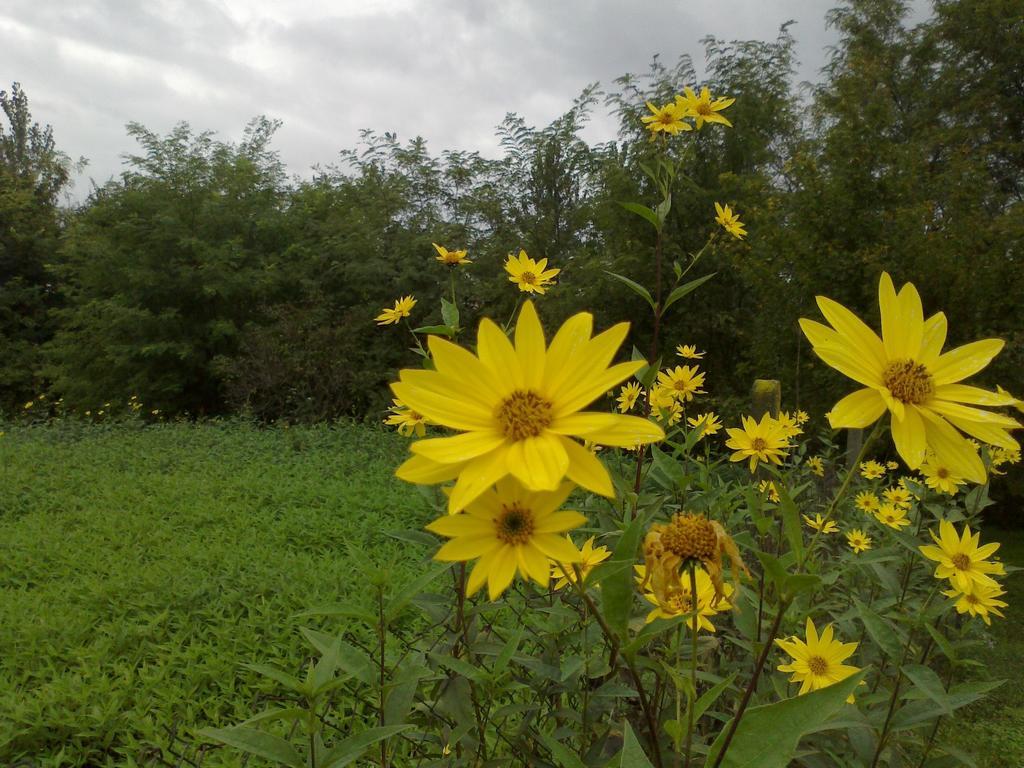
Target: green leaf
(632, 754)
(944, 645)
(684, 289)
(405, 595)
(881, 631)
(256, 742)
(798, 583)
(617, 588)
(350, 749)
(449, 313)
(773, 569)
(710, 696)
(344, 610)
(564, 757)
(277, 713)
(511, 646)
(662, 210)
(438, 330)
(768, 736)
(643, 212)
(928, 683)
(290, 682)
(635, 287)
(791, 522)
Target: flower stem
(693, 658)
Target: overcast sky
(447, 70)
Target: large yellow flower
(531, 276)
(758, 440)
(960, 558)
(510, 528)
(906, 373)
(702, 107)
(681, 382)
(982, 600)
(518, 408)
(818, 661)
(730, 221)
(666, 119)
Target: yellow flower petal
(957, 364)
(857, 410)
(586, 470)
(459, 448)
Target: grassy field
(139, 567)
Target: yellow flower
(590, 556)
(664, 406)
(871, 470)
(892, 516)
(451, 258)
(531, 276)
(29, 404)
(818, 661)
(666, 119)
(819, 523)
(768, 487)
(980, 601)
(510, 528)
(816, 465)
(788, 425)
(898, 496)
(801, 417)
(708, 423)
(518, 408)
(1002, 456)
(960, 558)
(730, 221)
(628, 396)
(757, 441)
(892, 465)
(939, 477)
(408, 421)
(866, 501)
(702, 107)
(858, 540)
(403, 307)
(676, 599)
(682, 382)
(906, 373)
(689, 351)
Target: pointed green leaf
(684, 289)
(256, 742)
(617, 588)
(349, 750)
(928, 683)
(632, 754)
(635, 287)
(449, 313)
(643, 212)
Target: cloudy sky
(447, 70)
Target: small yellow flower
(892, 465)
(892, 516)
(768, 487)
(29, 404)
(940, 477)
(703, 108)
(708, 423)
(789, 425)
(408, 421)
(871, 470)
(531, 276)
(676, 599)
(667, 119)
(689, 351)
(960, 558)
(816, 465)
(730, 221)
(590, 557)
(451, 258)
(866, 501)
(801, 417)
(858, 541)
(628, 396)
(403, 307)
(898, 496)
(757, 441)
(664, 406)
(980, 601)
(818, 523)
(818, 661)
(682, 382)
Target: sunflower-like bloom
(820, 524)
(689, 352)
(682, 382)
(858, 540)
(872, 470)
(960, 558)
(789, 425)
(518, 408)
(980, 601)
(866, 501)
(898, 496)
(1001, 456)
(892, 516)
(757, 441)
(675, 599)
(510, 528)
(669, 547)
(451, 258)
(708, 423)
(801, 417)
(906, 373)
(667, 119)
(817, 662)
(816, 465)
(703, 108)
(531, 276)
(664, 405)
(939, 477)
(768, 488)
(408, 421)
(730, 221)
(628, 396)
(403, 308)
(590, 558)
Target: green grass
(140, 567)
